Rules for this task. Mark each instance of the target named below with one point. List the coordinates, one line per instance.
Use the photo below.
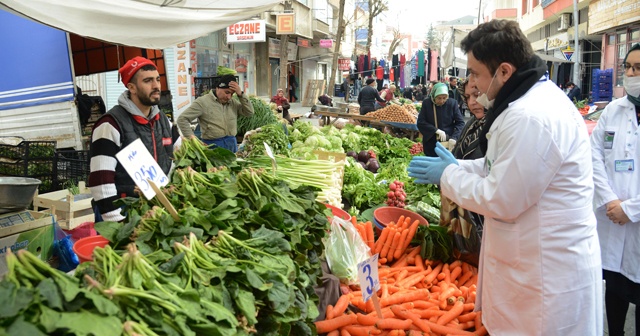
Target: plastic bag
(466, 230)
(63, 250)
(344, 249)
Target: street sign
(568, 53)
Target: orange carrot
(433, 274)
(481, 331)
(329, 312)
(412, 232)
(413, 279)
(387, 244)
(367, 320)
(341, 305)
(402, 297)
(377, 247)
(428, 313)
(399, 248)
(407, 223)
(344, 332)
(393, 323)
(401, 275)
(382, 261)
(423, 304)
(356, 330)
(451, 314)
(472, 281)
(472, 297)
(464, 277)
(361, 232)
(354, 220)
(400, 221)
(478, 319)
(467, 317)
(447, 273)
(393, 246)
(334, 333)
(469, 306)
(445, 294)
(335, 323)
(446, 330)
(370, 240)
(405, 314)
(385, 291)
(419, 262)
(455, 273)
(455, 264)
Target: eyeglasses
(635, 67)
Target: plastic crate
(27, 149)
(72, 166)
(607, 86)
(27, 168)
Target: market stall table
(326, 116)
(411, 129)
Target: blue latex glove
(428, 170)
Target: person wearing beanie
(615, 150)
(439, 119)
(136, 116)
(368, 96)
(217, 114)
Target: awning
(153, 24)
(549, 58)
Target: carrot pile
(417, 297)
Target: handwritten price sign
(140, 165)
(368, 277)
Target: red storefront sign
(344, 64)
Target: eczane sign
(247, 32)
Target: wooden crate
(71, 210)
(17, 222)
(333, 157)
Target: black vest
(154, 134)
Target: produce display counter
(411, 129)
(326, 116)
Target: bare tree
(434, 38)
(376, 7)
(395, 42)
(342, 25)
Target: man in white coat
(540, 258)
(616, 152)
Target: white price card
(269, 152)
(140, 165)
(368, 277)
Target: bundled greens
(263, 115)
(273, 134)
(360, 188)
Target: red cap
(131, 67)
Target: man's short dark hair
(569, 84)
(498, 41)
(147, 67)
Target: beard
(147, 100)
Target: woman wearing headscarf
(615, 146)
(439, 119)
(282, 104)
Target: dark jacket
(575, 93)
(367, 97)
(468, 145)
(407, 93)
(449, 120)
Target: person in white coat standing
(615, 146)
(539, 269)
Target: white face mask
(631, 85)
(483, 99)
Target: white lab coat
(620, 243)
(540, 269)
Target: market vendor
(439, 119)
(217, 114)
(468, 145)
(282, 105)
(136, 116)
(368, 96)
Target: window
(612, 39)
(635, 35)
(320, 10)
(621, 48)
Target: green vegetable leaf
(80, 323)
(14, 299)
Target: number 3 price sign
(369, 281)
(140, 165)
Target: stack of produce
(396, 195)
(273, 134)
(367, 159)
(306, 139)
(416, 148)
(418, 296)
(322, 174)
(393, 113)
(263, 115)
(412, 109)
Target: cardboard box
(38, 241)
(71, 210)
(17, 222)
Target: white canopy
(153, 24)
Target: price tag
(368, 277)
(269, 152)
(140, 165)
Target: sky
(416, 15)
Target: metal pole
(576, 37)
(479, 8)
(453, 49)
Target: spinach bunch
(262, 116)
(36, 299)
(360, 187)
(200, 157)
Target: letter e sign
(285, 23)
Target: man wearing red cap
(217, 114)
(136, 116)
